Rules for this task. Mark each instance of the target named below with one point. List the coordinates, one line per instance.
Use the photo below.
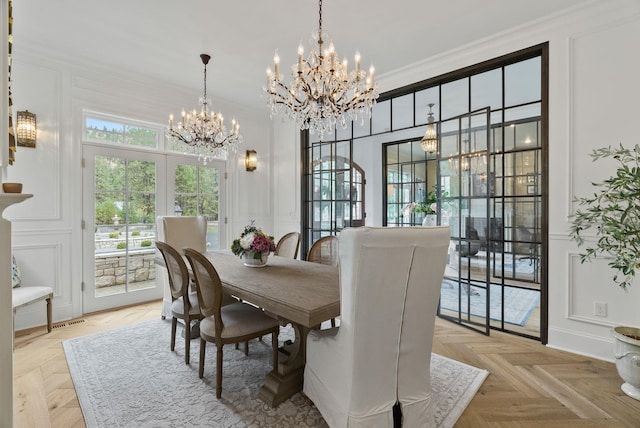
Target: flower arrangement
(429, 207)
(253, 241)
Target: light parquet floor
(529, 385)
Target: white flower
(434, 207)
(247, 241)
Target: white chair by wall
(23, 296)
(380, 355)
(179, 232)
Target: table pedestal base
(277, 388)
(288, 378)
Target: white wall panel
(601, 93)
(249, 192)
(605, 94)
(286, 182)
(39, 168)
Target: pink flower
(261, 243)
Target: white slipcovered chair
(179, 232)
(380, 355)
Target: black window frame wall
(404, 127)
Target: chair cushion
(23, 295)
(15, 273)
(239, 319)
(177, 306)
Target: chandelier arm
(300, 103)
(354, 103)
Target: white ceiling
(163, 40)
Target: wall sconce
(251, 160)
(26, 129)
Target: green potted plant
(613, 214)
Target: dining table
(298, 292)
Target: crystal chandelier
(429, 142)
(203, 133)
(322, 92)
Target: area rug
(519, 303)
(128, 377)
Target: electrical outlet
(599, 309)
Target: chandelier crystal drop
(322, 92)
(203, 133)
(429, 142)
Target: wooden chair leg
(203, 346)
(49, 314)
(187, 339)
(219, 372)
(174, 324)
(246, 348)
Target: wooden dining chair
(288, 245)
(325, 251)
(235, 323)
(184, 304)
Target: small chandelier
(203, 133)
(322, 92)
(429, 142)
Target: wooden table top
(302, 292)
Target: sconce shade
(251, 160)
(26, 129)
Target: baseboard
(581, 344)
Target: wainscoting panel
(592, 283)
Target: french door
(196, 189)
(124, 191)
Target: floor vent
(64, 324)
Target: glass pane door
(120, 206)
(198, 190)
(464, 194)
(335, 191)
